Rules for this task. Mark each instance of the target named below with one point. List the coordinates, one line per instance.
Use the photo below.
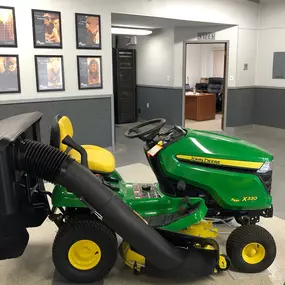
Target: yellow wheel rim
(253, 253)
(84, 254)
(223, 262)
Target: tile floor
(35, 267)
(211, 125)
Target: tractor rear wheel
(84, 250)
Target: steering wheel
(149, 134)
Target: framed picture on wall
(49, 73)
(8, 35)
(89, 72)
(88, 31)
(47, 29)
(9, 74)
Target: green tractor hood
(224, 167)
(203, 144)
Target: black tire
(84, 228)
(245, 235)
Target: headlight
(266, 167)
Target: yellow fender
(132, 259)
(203, 229)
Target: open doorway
(205, 85)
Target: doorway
(205, 84)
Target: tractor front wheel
(251, 249)
(84, 250)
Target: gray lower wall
(245, 105)
(269, 107)
(163, 102)
(240, 107)
(257, 105)
(91, 118)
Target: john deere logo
(204, 160)
(220, 162)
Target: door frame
(226, 77)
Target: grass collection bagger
(162, 224)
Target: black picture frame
(15, 43)
(79, 75)
(37, 40)
(80, 45)
(47, 89)
(5, 79)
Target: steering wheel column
(146, 135)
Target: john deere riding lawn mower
(193, 169)
(85, 247)
(162, 227)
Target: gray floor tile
(59, 280)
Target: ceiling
(138, 21)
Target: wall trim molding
(256, 87)
(241, 87)
(160, 87)
(269, 87)
(230, 87)
(51, 99)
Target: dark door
(124, 73)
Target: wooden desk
(200, 107)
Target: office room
(206, 66)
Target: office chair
(216, 86)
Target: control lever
(186, 207)
(71, 143)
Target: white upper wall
(193, 64)
(247, 53)
(155, 58)
(240, 12)
(236, 12)
(270, 39)
(271, 14)
(160, 56)
(223, 33)
(200, 61)
(207, 60)
(26, 49)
